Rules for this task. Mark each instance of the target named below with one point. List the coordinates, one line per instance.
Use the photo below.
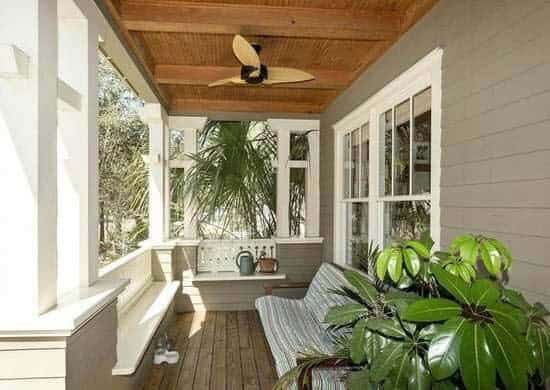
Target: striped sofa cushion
(290, 328)
(318, 300)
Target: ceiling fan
(254, 72)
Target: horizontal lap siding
(495, 175)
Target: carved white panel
(220, 255)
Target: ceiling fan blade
(277, 75)
(245, 53)
(231, 80)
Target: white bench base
(138, 325)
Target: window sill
(299, 240)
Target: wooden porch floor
(218, 350)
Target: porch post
(312, 186)
(190, 127)
(28, 141)
(78, 149)
(159, 217)
(283, 182)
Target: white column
(28, 199)
(190, 126)
(159, 217)
(312, 186)
(283, 182)
(190, 226)
(78, 150)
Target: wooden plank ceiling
(182, 46)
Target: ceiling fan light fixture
(247, 70)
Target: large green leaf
(539, 343)
(477, 366)
(444, 385)
(395, 264)
(490, 257)
(400, 299)
(389, 328)
(458, 241)
(382, 263)
(505, 254)
(364, 288)
(457, 287)
(515, 298)
(469, 250)
(443, 355)
(345, 314)
(399, 375)
(419, 248)
(359, 380)
(484, 292)
(384, 362)
(508, 317)
(510, 362)
(412, 261)
(428, 310)
(374, 344)
(419, 375)
(358, 341)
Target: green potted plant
(438, 324)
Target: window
(356, 189)
(226, 181)
(123, 144)
(387, 164)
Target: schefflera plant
(463, 255)
(480, 335)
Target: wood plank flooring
(218, 351)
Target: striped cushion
(290, 329)
(318, 300)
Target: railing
(219, 255)
(135, 266)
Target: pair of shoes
(165, 356)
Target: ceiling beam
(187, 106)
(212, 18)
(204, 75)
(136, 48)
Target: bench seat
(292, 326)
(138, 324)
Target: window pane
(355, 169)
(347, 165)
(299, 147)
(386, 126)
(405, 220)
(365, 160)
(297, 202)
(177, 151)
(401, 149)
(177, 205)
(357, 229)
(421, 142)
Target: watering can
(245, 262)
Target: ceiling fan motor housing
(247, 70)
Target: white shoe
(164, 356)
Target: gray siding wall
(495, 175)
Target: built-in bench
(293, 326)
(144, 311)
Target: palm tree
(232, 180)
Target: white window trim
(425, 73)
